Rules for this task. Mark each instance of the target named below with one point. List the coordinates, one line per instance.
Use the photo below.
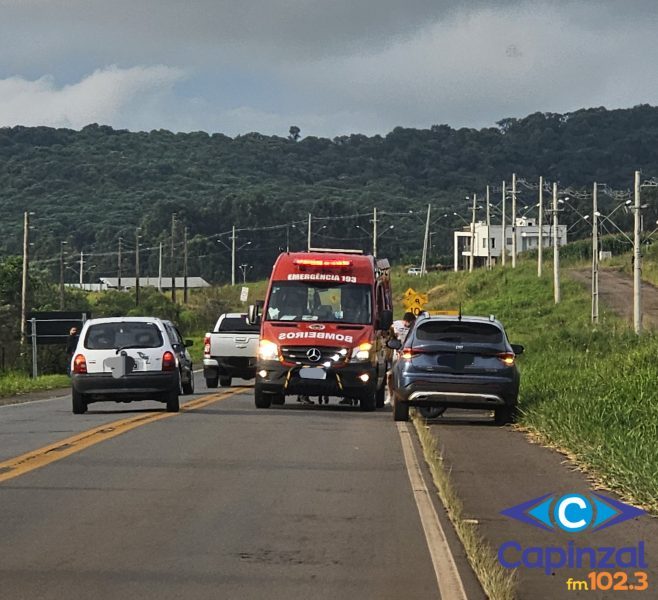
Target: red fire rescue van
(323, 328)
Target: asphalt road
(223, 501)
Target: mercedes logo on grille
(313, 354)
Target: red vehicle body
(323, 328)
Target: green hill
(91, 186)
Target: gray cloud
(331, 67)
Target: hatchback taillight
(168, 361)
(507, 358)
(80, 364)
(206, 345)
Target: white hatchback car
(130, 358)
(414, 271)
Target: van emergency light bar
(321, 262)
(336, 250)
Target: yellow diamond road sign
(413, 301)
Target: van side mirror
(385, 320)
(254, 314)
(517, 349)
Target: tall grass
(590, 391)
(12, 383)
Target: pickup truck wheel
(188, 386)
(262, 400)
(225, 381)
(171, 399)
(400, 411)
(212, 382)
(79, 403)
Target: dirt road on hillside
(616, 294)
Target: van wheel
(368, 403)
(212, 382)
(261, 399)
(400, 411)
(380, 395)
(79, 403)
(188, 386)
(173, 405)
(225, 381)
(278, 399)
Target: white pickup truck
(230, 350)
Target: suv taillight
(80, 364)
(168, 361)
(507, 358)
(206, 346)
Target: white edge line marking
(451, 586)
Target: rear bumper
(344, 382)
(458, 391)
(230, 366)
(135, 386)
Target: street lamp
(244, 268)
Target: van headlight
(362, 352)
(268, 350)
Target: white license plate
(313, 373)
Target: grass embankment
(13, 383)
(590, 391)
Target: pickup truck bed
(230, 350)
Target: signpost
(244, 294)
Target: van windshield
(325, 302)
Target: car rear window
(237, 324)
(459, 332)
(105, 336)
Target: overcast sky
(331, 67)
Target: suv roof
(456, 319)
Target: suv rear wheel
(225, 381)
(504, 414)
(400, 411)
(212, 382)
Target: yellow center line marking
(41, 457)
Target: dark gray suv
(456, 361)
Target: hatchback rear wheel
(173, 404)
(79, 402)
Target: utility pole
(287, 238)
(233, 257)
(374, 232)
(423, 263)
(160, 269)
(82, 267)
(504, 227)
(513, 220)
(61, 275)
(185, 266)
(595, 256)
(637, 259)
(26, 259)
(471, 258)
(137, 267)
(556, 250)
(540, 248)
(119, 265)
(488, 234)
(173, 264)
(309, 233)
